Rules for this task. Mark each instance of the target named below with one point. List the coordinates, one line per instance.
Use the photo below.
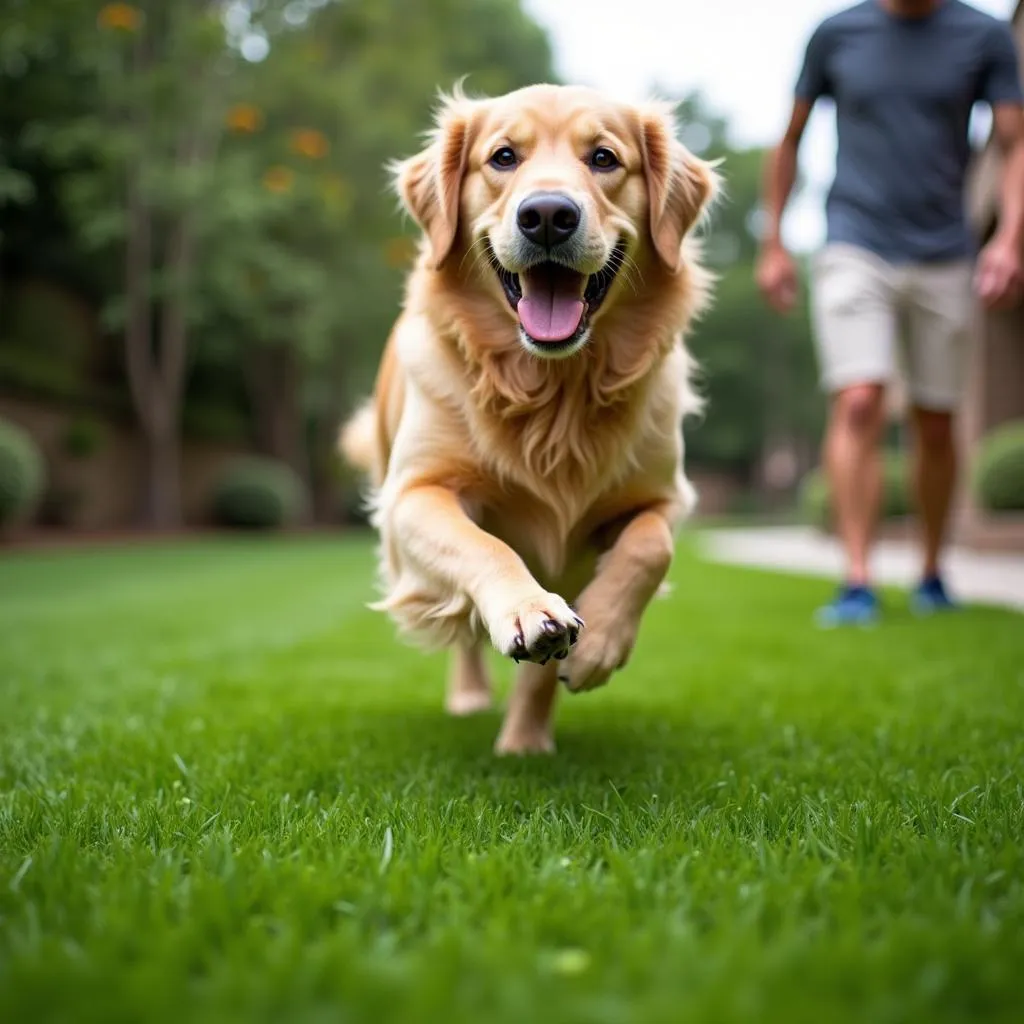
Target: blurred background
(200, 260)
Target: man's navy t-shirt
(904, 89)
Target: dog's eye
(603, 159)
(504, 159)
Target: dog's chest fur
(552, 487)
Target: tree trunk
(163, 487)
(154, 402)
(156, 364)
(138, 330)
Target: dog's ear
(429, 184)
(680, 186)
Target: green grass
(227, 793)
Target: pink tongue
(551, 307)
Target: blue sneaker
(930, 597)
(854, 605)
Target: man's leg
(854, 306)
(935, 465)
(853, 465)
(941, 307)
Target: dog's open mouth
(554, 303)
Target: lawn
(227, 793)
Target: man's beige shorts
(877, 323)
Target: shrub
(258, 494)
(999, 469)
(83, 437)
(46, 336)
(22, 473)
(816, 502)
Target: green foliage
(210, 421)
(15, 187)
(815, 499)
(22, 473)
(83, 437)
(47, 337)
(258, 494)
(999, 470)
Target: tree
(137, 166)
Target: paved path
(979, 578)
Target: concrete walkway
(972, 576)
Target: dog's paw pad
(537, 630)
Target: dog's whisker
(479, 247)
(631, 273)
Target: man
(898, 267)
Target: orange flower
(278, 179)
(122, 17)
(244, 117)
(399, 252)
(310, 143)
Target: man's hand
(999, 277)
(777, 278)
(999, 280)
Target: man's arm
(999, 279)
(1008, 130)
(776, 272)
(780, 171)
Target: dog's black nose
(548, 218)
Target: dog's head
(556, 193)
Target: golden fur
(505, 484)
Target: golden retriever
(524, 441)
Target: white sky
(744, 55)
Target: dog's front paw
(599, 653)
(536, 629)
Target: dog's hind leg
(469, 683)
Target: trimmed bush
(816, 504)
(22, 473)
(999, 469)
(83, 437)
(258, 494)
